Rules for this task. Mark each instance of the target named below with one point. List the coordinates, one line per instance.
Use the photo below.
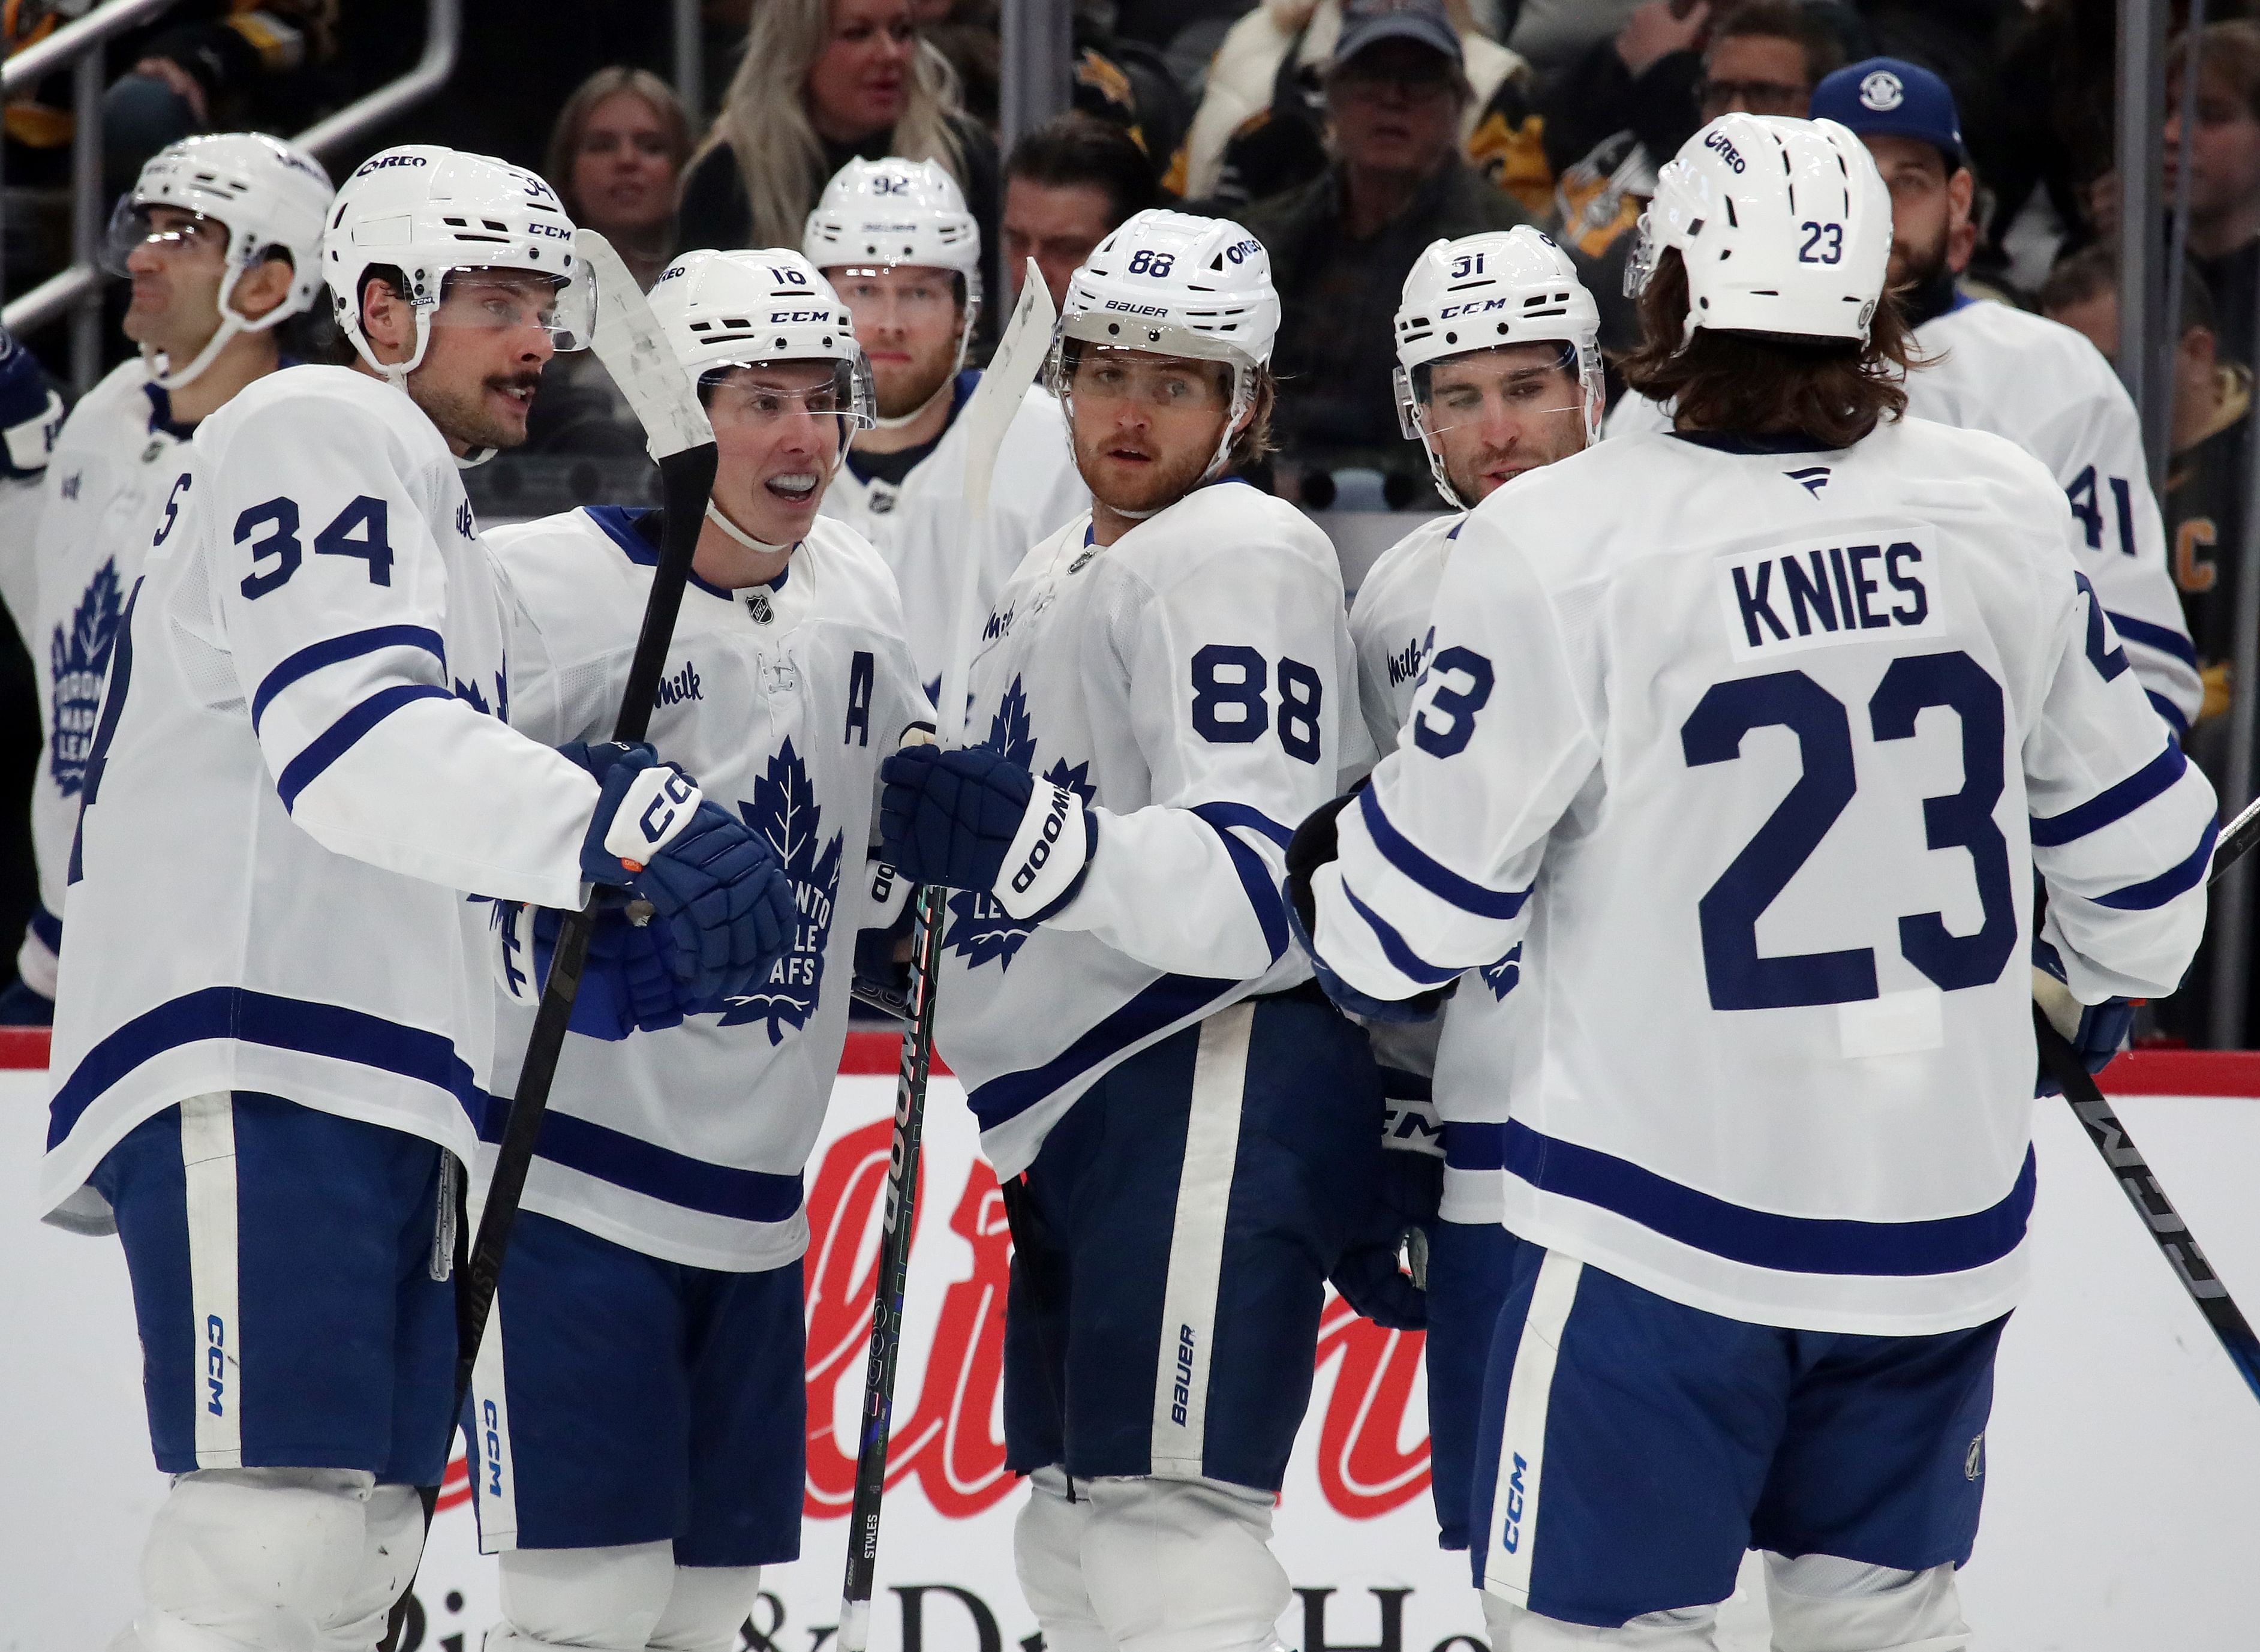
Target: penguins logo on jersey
(78, 661)
(785, 810)
(980, 930)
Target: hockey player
(666, 1192)
(1759, 775)
(1186, 1132)
(31, 414)
(274, 1008)
(1499, 372)
(894, 241)
(1996, 368)
(222, 237)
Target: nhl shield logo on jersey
(980, 930)
(785, 810)
(79, 660)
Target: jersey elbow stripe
(333, 650)
(657, 1172)
(1767, 1238)
(2171, 712)
(1431, 875)
(1254, 877)
(1394, 948)
(1221, 815)
(1170, 1001)
(2113, 803)
(340, 737)
(2164, 639)
(2157, 891)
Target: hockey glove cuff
(1316, 842)
(31, 412)
(642, 805)
(2096, 1031)
(970, 820)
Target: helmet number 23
(1824, 244)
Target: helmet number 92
(1147, 261)
(1813, 251)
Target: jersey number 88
(1230, 707)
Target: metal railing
(78, 287)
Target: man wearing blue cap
(1994, 367)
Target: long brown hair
(572, 119)
(764, 117)
(1834, 390)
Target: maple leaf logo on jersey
(785, 812)
(980, 929)
(79, 660)
(1501, 977)
(469, 693)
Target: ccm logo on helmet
(1475, 306)
(1724, 146)
(556, 232)
(776, 316)
(382, 162)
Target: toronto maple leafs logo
(980, 929)
(785, 812)
(470, 696)
(79, 660)
(1502, 977)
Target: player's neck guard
(714, 515)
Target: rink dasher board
(2123, 1457)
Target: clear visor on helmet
(1647, 248)
(878, 293)
(173, 229)
(1100, 374)
(1512, 387)
(501, 297)
(766, 392)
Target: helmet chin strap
(714, 515)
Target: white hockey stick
(1002, 388)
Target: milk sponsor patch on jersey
(1779, 600)
(78, 661)
(785, 810)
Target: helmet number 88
(1147, 261)
(1813, 252)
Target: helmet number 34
(1824, 243)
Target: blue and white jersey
(105, 485)
(1758, 775)
(301, 760)
(1193, 680)
(1993, 367)
(1445, 1063)
(782, 699)
(922, 528)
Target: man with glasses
(273, 1016)
(221, 237)
(896, 242)
(1342, 244)
(656, 1262)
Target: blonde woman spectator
(616, 156)
(824, 83)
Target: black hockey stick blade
(2144, 1193)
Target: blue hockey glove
(723, 908)
(2096, 1031)
(1370, 1281)
(970, 820)
(1317, 841)
(31, 412)
(626, 986)
(882, 970)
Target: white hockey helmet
(428, 212)
(742, 309)
(1783, 225)
(1481, 293)
(1173, 284)
(269, 195)
(879, 213)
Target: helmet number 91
(1813, 252)
(1146, 262)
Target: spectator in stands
(1261, 126)
(824, 83)
(215, 63)
(1341, 245)
(2224, 162)
(616, 160)
(1066, 185)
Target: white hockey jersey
(1192, 681)
(920, 524)
(301, 760)
(113, 460)
(783, 699)
(1759, 775)
(1994, 367)
(1392, 630)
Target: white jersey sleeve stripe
(1261, 884)
(2162, 639)
(2172, 714)
(2157, 891)
(333, 742)
(1172, 1001)
(1431, 875)
(1395, 948)
(2154, 778)
(333, 650)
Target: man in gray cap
(1341, 245)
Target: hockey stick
(635, 352)
(2238, 836)
(996, 401)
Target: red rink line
(2166, 1072)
